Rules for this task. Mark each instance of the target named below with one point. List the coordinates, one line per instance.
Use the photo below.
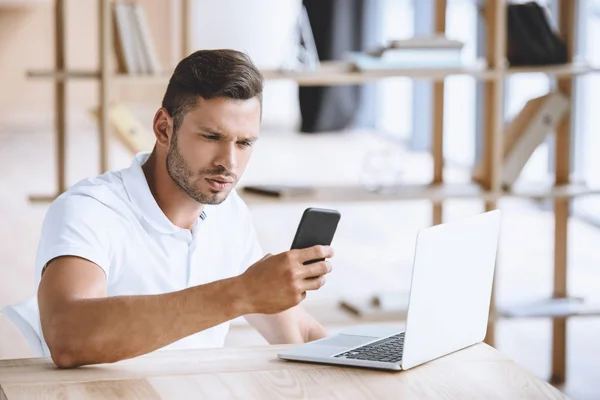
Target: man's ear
(163, 127)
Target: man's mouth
(219, 183)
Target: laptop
(448, 308)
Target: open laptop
(448, 307)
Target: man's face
(210, 150)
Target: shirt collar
(140, 195)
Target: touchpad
(346, 340)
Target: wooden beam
(105, 34)
(185, 28)
(561, 206)
(495, 15)
(438, 117)
(60, 95)
(495, 11)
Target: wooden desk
(479, 372)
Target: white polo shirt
(114, 221)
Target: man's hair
(211, 74)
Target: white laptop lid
(451, 287)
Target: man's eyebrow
(218, 134)
(210, 131)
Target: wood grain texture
(561, 206)
(256, 373)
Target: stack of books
(415, 52)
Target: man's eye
(246, 144)
(211, 137)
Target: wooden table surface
(478, 372)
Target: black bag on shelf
(531, 40)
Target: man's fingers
(314, 253)
(314, 283)
(317, 269)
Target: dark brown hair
(211, 74)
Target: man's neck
(178, 207)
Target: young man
(163, 254)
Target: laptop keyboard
(384, 350)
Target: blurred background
(382, 109)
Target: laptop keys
(385, 350)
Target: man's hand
(279, 282)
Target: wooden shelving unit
(337, 73)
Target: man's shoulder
(104, 194)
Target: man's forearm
(93, 331)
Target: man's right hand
(278, 282)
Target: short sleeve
(76, 225)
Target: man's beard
(182, 175)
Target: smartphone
(317, 227)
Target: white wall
(261, 28)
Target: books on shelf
(525, 133)
(415, 52)
(136, 53)
(435, 42)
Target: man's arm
(294, 325)
(83, 326)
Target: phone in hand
(317, 227)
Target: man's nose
(227, 157)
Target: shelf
(333, 73)
(542, 192)
(326, 76)
(339, 73)
(62, 76)
(556, 70)
(552, 308)
(340, 194)
(349, 193)
(364, 309)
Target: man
(163, 254)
